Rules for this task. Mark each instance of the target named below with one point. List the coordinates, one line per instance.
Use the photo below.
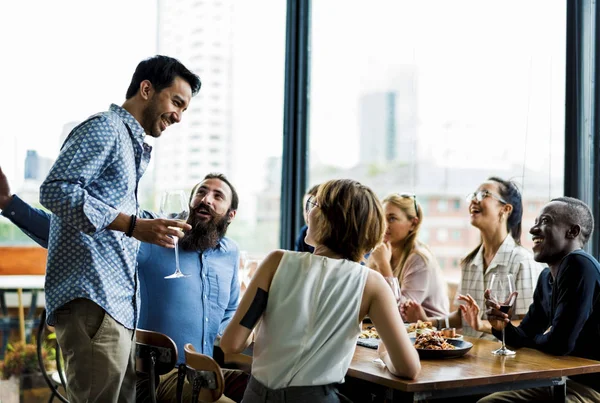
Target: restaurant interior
(431, 99)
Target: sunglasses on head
(414, 197)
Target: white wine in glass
(174, 206)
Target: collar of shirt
(135, 128)
(222, 246)
(502, 256)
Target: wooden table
(19, 283)
(478, 372)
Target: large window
(433, 97)
(66, 63)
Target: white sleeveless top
(310, 326)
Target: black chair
(52, 384)
(203, 373)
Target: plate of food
(368, 337)
(435, 346)
(419, 325)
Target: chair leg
(180, 381)
(196, 386)
(152, 377)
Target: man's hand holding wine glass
(159, 231)
(499, 313)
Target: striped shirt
(510, 259)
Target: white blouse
(308, 331)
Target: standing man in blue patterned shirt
(91, 280)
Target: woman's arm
(236, 336)
(415, 281)
(397, 352)
(380, 258)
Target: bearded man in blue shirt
(91, 190)
(190, 310)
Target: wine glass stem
(176, 242)
(503, 345)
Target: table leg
(559, 392)
(21, 315)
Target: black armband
(258, 306)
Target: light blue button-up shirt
(193, 309)
(93, 180)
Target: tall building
(199, 34)
(36, 166)
(388, 121)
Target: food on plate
(432, 341)
(369, 333)
(419, 326)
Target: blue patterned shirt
(93, 180)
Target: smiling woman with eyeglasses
(403, 257)
(496, 209)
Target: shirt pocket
(219, 290)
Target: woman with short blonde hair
(310, 306)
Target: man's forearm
(35, 223)
(121, 223)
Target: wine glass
(395, 286)
(174, 206)
(501, 289)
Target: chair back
(153, 344)
(204, 374)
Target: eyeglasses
(310, 204)
(482, 194)
(414, 197)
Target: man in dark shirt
(564, 318)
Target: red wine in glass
(501, 289)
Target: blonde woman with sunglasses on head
(496, 209)
(401, 256)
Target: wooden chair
(203, 373)
(156, 354)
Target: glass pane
(63, 63)
(74, 65)
(434, 97)
(234, 125)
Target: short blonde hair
(350, 220)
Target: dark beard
(149, 118)
(204, 235)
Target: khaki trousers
(576, 393)
(166, 391)
(99, 354)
